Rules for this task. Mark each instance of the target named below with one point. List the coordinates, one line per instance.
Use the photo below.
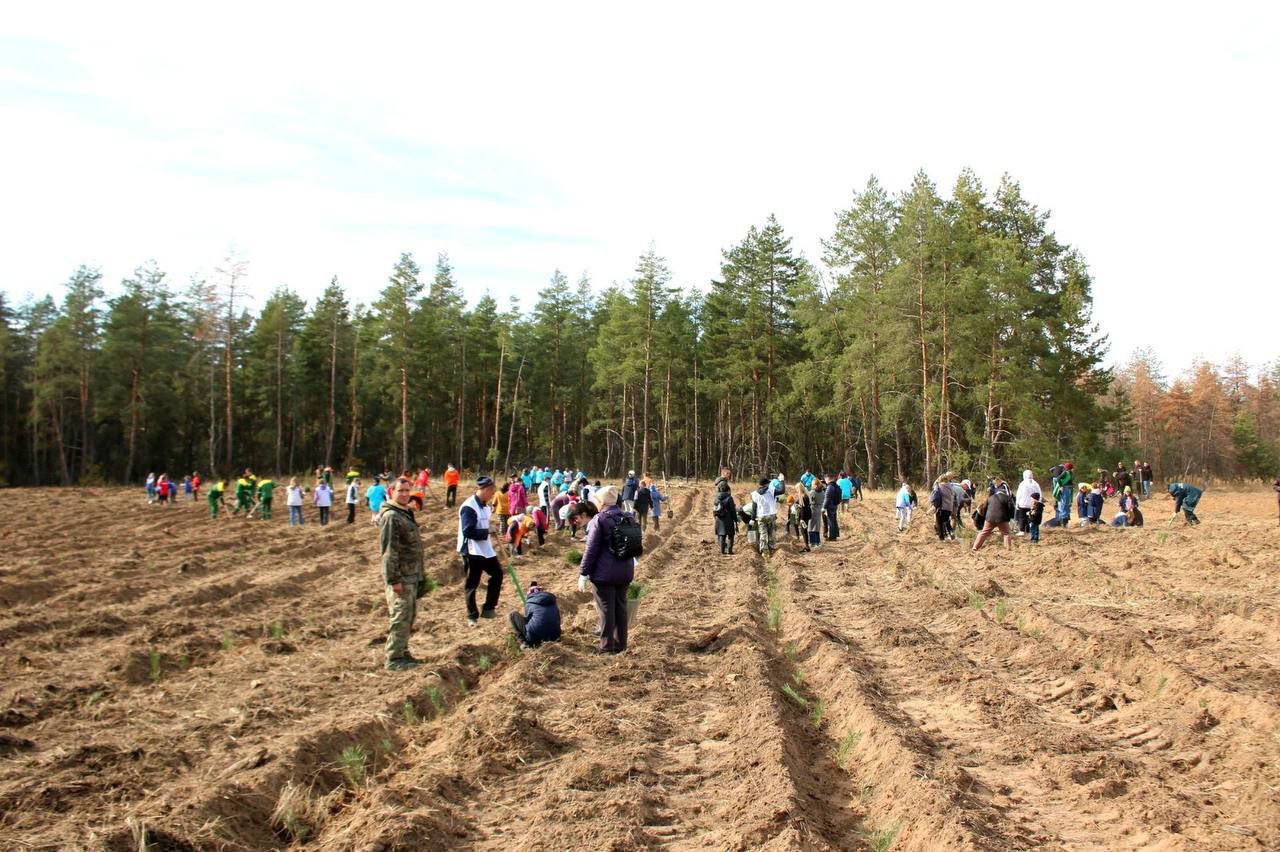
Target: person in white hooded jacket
(1024, 500)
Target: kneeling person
(541, 620)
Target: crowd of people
(521, 511)
(611, 518)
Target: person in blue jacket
(1185, 498)
(541, 620)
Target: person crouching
(541, 620)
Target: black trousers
(833, 526)
(476, 566)
(351, 513)
(612, 600)
(450, 495)
(324, 514)
(726, 543)
(942, 523)
(517, 624)
(1021, 519)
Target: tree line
(935, 332)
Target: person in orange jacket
(450, 485)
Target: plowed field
(184, 683)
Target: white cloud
(519, 138)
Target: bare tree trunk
(924, 379)
(355, 400)
(515, 397)
(404, 415)
(133, 425)
(279, 397)
(666, 424)
(213, 420)
(62, 447)
(462, 401)
(331, 428)
(497, 407)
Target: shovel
(511, 569)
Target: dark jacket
(643, 500)
(726, 514)
(999, 508)
(834, 496)
(1095, 505)
(1037, 511)
(629, 488)
(542, 618)
(598, 563)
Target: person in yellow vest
(265, 487)
(215, 496)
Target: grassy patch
(637, 591)
(880, 840)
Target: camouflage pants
(404, 609)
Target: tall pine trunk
(331, 429)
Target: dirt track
(198, 681)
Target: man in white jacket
(766, 515)
(1023, 501)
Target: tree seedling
(154, 659)
(352, 762)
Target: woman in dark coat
(726, 518)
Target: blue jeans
(1146, 488)
(295, 516)
(1035, 532)
(1064, 507)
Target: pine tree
(392, 317)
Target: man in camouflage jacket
(401, 546)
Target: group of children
(163, 490)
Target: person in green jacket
(215, 497)
(265, 487)
(244, 496)
(1062, 490)
(1185, 498)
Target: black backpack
(626, 539)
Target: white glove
(582, 582)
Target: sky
(318, 139)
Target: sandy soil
(196, 684)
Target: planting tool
(511, 569)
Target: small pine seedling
(298, 830)
(277, 630)
(484, 663)
(819, 710)
(352, 762)
(154, 659)
(228, 641)
(976, 600)
(1002, 609)
(799, 699)
(433, 695)
(882, 840)
(845, 748)
(410, 713)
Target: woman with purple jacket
(609, 574)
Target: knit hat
(1128, 490)
(484, 482)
